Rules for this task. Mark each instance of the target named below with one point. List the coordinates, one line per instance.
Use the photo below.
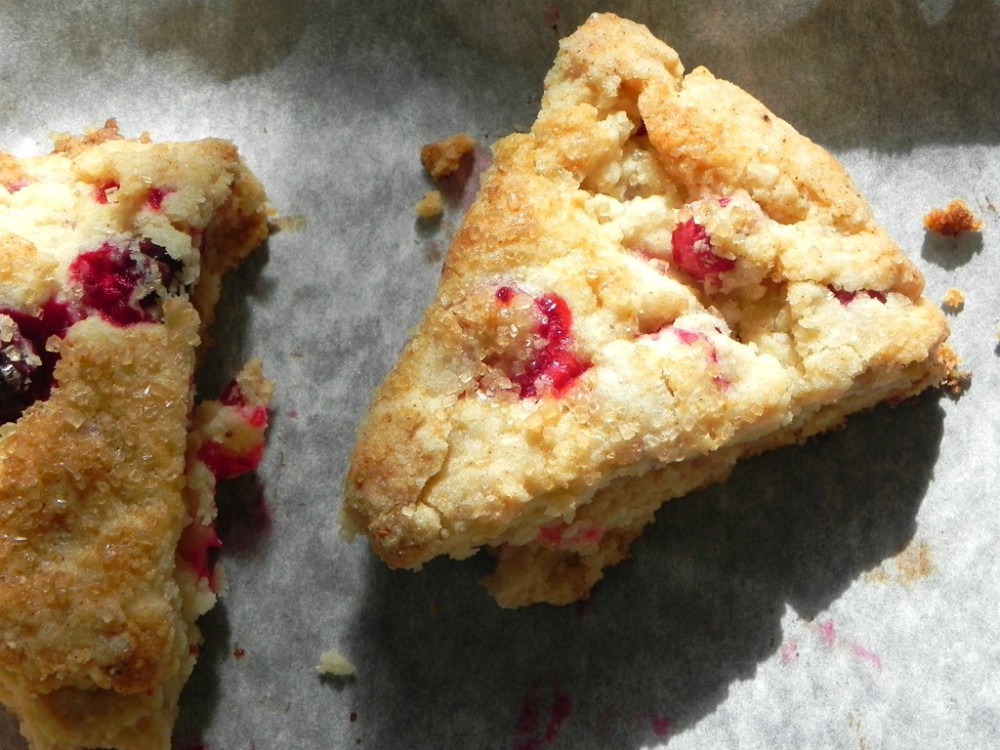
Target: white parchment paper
(843, 594)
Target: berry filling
(551, 366)
(692, 252)
(26, 366)
(124, 283)
(845, 297)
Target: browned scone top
(660, 278)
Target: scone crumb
(953, 298)
(430, 206)
(443, 157)
(335, 664)
(955, 381)
(956, 218)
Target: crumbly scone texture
(660, 278)
(110, 256)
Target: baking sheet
(842, 594)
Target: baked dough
(660, 278)
(111, 254)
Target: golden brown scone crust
(97, 608)
(816, 314)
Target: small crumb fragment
(955, 381)
(953, 298)
(956, 218)
(430, 206)
(443, 157)
(335, 664)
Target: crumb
(953, 298)
(953, 220)
(239, 652)
(443, 157)
(430, 206)
(955, 381)
(334, 664)
(293, 223)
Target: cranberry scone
(111, 254)
(660, 278)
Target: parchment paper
(843, 594)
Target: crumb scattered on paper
(953, 298)
(952, 220)
(955, 381)
(430, 206)
(443, 157)
(913, 564)
(293, 223)
(335, 664)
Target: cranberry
(692, 252)
(154, 199)
(113, 277)
(555, 364)
(227, 465)
(26, 366)
(102, 190)
(845, 297)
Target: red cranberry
(112, 275)
(102, 190)
(26, 366)
(693, 253)
(555, 364)
(845, 297)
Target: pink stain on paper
(531, 714)
(870, 656)
(828, 637)
(827, 633)
(789, 651)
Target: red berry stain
(693, 253)
(530, 715)
(662, 725)
(869, 656)
(827, 633)
(22, 383)
(555, 534)
(110, 276)
(555, 365)
(845, 297)
(102, 190)
(195, 547)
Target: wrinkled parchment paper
(843, 594)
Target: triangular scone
(111, 252)
(660, 278)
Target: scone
(111, 254)
(660, 278)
